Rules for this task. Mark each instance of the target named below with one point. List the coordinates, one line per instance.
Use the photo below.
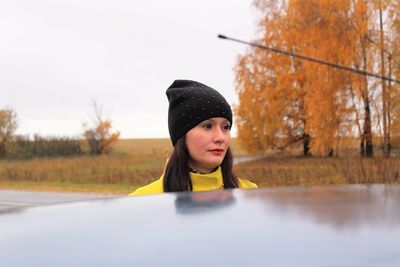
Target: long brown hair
(177, 176)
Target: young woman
(199, 122)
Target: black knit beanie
(190, 103)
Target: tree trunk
(306, 145)
(366, 147)
(369, 151)
(389, 107)
(362, 146)
(386, 144)
(2, 150)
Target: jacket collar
(207, 181)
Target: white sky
(57, 55)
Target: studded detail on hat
(190, 103)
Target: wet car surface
(349, 225)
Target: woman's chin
(214, 163)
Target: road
(13, 199)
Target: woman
(199, 122)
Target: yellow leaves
(283, 99)
(8, 126)
(8, 123)
(99, 135)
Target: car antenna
(319, 61)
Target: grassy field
(291, 170)
(136, 162)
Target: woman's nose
(219, 135)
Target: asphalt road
(13, 199)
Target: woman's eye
(207, 126)
(227, 127)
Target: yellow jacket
(201, 182)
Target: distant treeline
(98, 139)
(22, 147)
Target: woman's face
(207, 143)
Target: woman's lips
(217, 151)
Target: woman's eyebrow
(212, 119)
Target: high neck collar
(199, 172)
(207, 181)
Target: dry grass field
(291, 170)
(133, 163)
(136, 162)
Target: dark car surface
(349, 225)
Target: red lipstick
(217, 151)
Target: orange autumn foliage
(98, 134)
(285, 100)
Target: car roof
(348, 225)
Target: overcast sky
(57, 55)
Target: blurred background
(83, 105)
